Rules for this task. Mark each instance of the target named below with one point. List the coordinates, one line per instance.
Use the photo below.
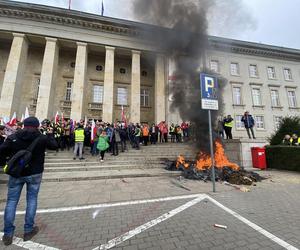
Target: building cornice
(254, 49)
(65, 17)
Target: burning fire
(204, 161)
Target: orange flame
(181, 161)
(204, 160)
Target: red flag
(13, 120)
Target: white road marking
(106, 205)
(118, 240)
(257, 228)
(30, 244)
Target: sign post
(209, 101)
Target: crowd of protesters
(99, 137)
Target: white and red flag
(26, 113)
(22, 118)
(56, 118)
(123, 117)
(13, 120)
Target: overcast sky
(275, 22)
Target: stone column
(135, 106)
(14, 74)
(48, 78)
(78, 88)
(108, 89)
(160, 89)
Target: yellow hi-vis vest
(79, 135)
(229, 124)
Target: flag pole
(70, 4)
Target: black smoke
(184, 40)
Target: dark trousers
(114, 148)
(137, 142)
(102, 154)
(166, 137)
(252, 132)
(228, 132)
(123, 145)
(145, 139)
(153, 138)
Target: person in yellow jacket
(79, 139)
(228, 124)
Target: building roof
(63, 16)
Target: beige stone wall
(29, 84)
(4, 53)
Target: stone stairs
(146, 162)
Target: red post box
(259, 157)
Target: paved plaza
(157, 213)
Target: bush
(283, 157)
(288, 125)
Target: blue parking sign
(209, 92)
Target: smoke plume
(184, 41)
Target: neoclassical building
(80, 64)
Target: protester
(228, 124)
(286, 140)
(153, 134)
(31, 175)
(220, 127)
(172, 132)
(102, 144)
(79, 140)
(178, 133)
(145, 131)
(295, 140)
(249, 123)
(122, 131)
(137, 135)
(185, 129)
(2, 134)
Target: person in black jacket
(32, 176)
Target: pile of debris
(239, 177)
(226, 171)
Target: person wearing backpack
(33, 144)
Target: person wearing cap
(31, 176)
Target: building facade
(79, 64)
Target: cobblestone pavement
(272, 204)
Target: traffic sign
(209, 92)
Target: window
(99, 68)
(234, 69)
(237, 100)
(275, 98)
(37, 85)
(292, 99)
(98, 94)
(277, 120)
(122, 71)
(287, 74)
(253, 70)
(238, 123)
(256, 97)
(122, 96)
(214, 65)
(271, 73)
(259, 122)
(145, 98)
(69, 90)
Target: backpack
(20, 160)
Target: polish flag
(56, 118)
(26, 113)
(13, 120)
(123, 117)
(93, 132)
(85, 121)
